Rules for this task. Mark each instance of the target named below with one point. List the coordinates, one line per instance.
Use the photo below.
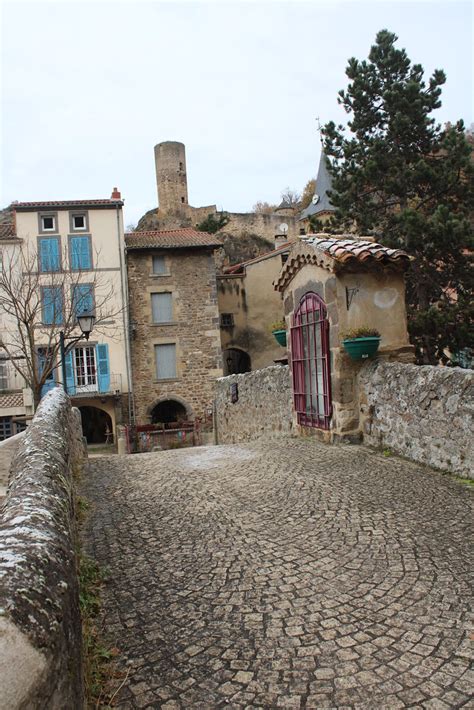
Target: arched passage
(96, 424)
(236, 361)
(168, 411)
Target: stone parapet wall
(425, 413)
(263, 407)
(40, 625)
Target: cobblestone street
(284, 573)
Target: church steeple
(320, 202)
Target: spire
(320, 202)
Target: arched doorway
(236, 361)
(310, 362)
(96, 424)
(168, 411)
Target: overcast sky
(88, 89)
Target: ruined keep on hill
(245, 236)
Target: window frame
(226, 320)
(165, 271)
(80, 235)
(155, 350)
(41, 216)
(162, 293)
(79, 213)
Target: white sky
(88, 89)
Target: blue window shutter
(52, 305)
(70, 383)
(50, 383)
(83, 298)
(48, 308)
(80, 253)
(103, 369)
(49, 254)
(53, 254)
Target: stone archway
(236, 361)
(96, 424)
(170, 409)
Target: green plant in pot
(279, 332)
(361, 343)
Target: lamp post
(86, 321)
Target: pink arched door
(310, 362)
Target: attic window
(79, 221)
(47, 223)
(227, 320)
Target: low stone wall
(422, 412)
(263, 407)
(8, 449)
(40, 625)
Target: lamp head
(86, 322)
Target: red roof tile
(363, 250)
(7, 231)
(171, 239)
(64, 204)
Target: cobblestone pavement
(284, 574)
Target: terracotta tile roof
(362, 250)
(341, 253)
(64, 204)
(171, 239)
(7, 231)
(13, 399)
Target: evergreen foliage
(410, 183)
(213, 223)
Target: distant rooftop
(65, 204)
(323, 186)
(7, 232)
(171, 239)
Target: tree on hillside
(408, 181)
(263, 207)
(307, 194)
(37, 306)
(213, 223)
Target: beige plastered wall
(255, 305)
(107, 240)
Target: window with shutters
(159, 265)
(80, 253)
(161, 307)
(49, 254)
(52, 305)
(82, 298)
(85, 368)
(165, 358)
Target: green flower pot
(280, 337)
(361, 348)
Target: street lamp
(86, 321)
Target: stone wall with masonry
(263, 406)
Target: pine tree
(409, 182)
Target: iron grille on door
(310, 362)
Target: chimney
(115, 194)
(280, 239)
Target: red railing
(310, 363)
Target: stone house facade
(331, 285)
(74, 250)
(175, 340)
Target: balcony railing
(115, 387)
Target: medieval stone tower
(170, 166)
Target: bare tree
(291, 197)
(263, 207)
(38, 306)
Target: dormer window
(48, 223)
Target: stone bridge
(284, 573)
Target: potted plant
(361, 343)
(279, 332)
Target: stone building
(77, 248)
(330, 285)
(174, 210)
(175, 345)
